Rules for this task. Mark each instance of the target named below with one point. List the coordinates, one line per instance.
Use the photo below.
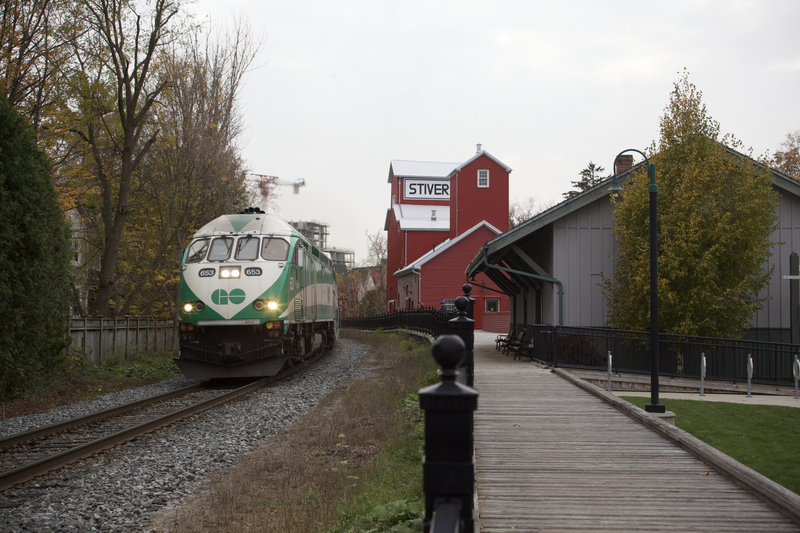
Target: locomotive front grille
(231, 345)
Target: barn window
(483, 178)
(492, 305)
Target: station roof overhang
(503, 258)
(506, 250)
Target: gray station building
(553, 264)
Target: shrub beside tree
(35, 257)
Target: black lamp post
(653, 406)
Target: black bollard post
(448, 468)
(464, 327)
(467, 288)
(794, 298)
(469, 360)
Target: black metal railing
(680, 355)
(429, 321)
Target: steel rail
(38, 468)
(59, 427)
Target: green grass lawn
(765, 438)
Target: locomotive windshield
(197, 251)
(220, 249)
(247, 248)
(274, 249)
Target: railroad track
(35, 453)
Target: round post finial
(449, 351)
(462, 305)
(467, 288)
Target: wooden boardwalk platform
(552, 457)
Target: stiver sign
(427, 190)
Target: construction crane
(267, 183)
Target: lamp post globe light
(653, 406)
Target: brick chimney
(624, 162)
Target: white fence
(125, 337)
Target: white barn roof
(420, 169)
(420, 217)
(441, 248)
(458, 167)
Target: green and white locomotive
(255, 296)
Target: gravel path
(120, 489)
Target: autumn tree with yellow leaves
(32, 57)
(787, 157)
(117, 60)
(193, 174)
(716, 214)
(137, 110)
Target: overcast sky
(346, 86)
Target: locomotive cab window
(247, 248)
(220, 249)
(197, 251)
(274, 249)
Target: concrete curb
(773, 494)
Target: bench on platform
(502, 338)
(516, 340)
(524, 349)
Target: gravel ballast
(120, 489)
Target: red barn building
(440, 216)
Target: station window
(492, 305)
(483, 178)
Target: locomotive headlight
(190, 307)
(271, 305)
(228, 272)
